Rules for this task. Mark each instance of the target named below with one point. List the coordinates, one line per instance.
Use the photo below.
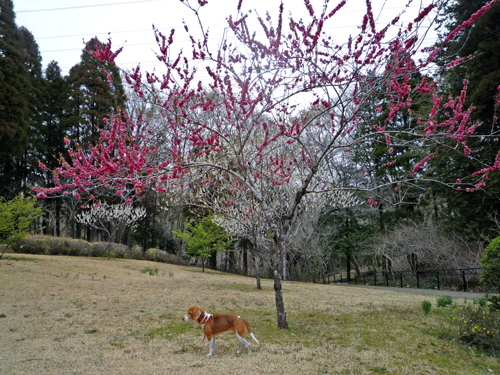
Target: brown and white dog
(217, 323)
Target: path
(434, 292)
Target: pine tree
(54, 115)
(14, 110)
(92, 97)
(37, 145)
(469, 213)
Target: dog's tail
(250, 331)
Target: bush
(490, 264)
(151, 271)
(426, 306)
(157, 255)
(48, 245)
(116, 250)
(78, 247)
(494, 301)
(444, 301)
(480, 327)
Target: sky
(60, 27)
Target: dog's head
(193, 313)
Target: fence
(451, 279)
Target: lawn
(71, 315)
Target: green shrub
(481, 301)
(444, 301)
(157, 255)
(490, 264)
(480, 327)
(426, 306)
(151, 271)
(78, 247)
(494, 301)
(48, 245)
(134, 252)
(115, 250)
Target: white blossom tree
(111, 219)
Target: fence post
(375, 278)
(364, 279)
(418, 282)
(401, 277)
(465, 281)
(356, 278)
(438, 280)
(387, 279)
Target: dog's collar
(205, 318)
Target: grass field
(69, 315)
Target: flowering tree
(276, 123)
(111, 218)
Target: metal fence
(451, 279)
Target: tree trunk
(213, 261)
(278, 291)
(245, 258)
(58, 217)
(46, 220)
(348, 265)
(257, 270)
(280, 305)
(231, 268)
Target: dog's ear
(194, 312)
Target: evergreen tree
(37, 145)
(388, 159)
(92, 97)
(55, 122)
(53, 131)
(14, 110)
(469, 213)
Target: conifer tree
(37, 146)
(478, 47)
(92, 95)
(14, 110)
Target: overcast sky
(60, 26)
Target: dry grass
(69, 315)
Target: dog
(217, 323)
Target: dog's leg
(211, 345)
(243, 343)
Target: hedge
(48, 245)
